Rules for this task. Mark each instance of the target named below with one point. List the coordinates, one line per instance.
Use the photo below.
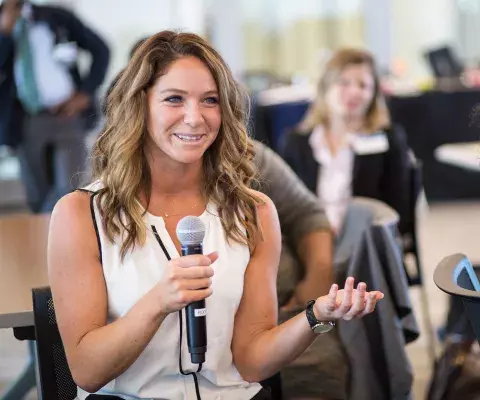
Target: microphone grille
(190, 230)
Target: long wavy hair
(377, 115)
(119, 154)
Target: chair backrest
(444, 62)
(409, 223)
(456, 276)
(56, 382)
(415, 189)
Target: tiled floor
(444, 229)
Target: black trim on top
(94, 219)
(160, 242)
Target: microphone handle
(196, 316)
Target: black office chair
(274, 386)
(456, 276)
(444, 62)
(410, 238)
(55, 379)
(411, 250)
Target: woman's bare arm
(260, 347)
(96, 352)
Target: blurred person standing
(346, 145)
(47, 105)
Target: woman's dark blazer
(382, 176)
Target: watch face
(322, 328)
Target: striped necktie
(26, 83)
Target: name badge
(65, 53)
(375, 143)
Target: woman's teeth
(189, 138)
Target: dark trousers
(52, 158)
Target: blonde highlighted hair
(377, 116)
(119, 158)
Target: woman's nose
(193, 115)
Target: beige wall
(402, 30)
(417, 26)
(295, 48)
(259, 47)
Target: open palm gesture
(347, 303)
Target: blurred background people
(47, 105)
(346, 145)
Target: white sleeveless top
(155, 374)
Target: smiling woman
(184, 113)
(167, 93)
(175, 144)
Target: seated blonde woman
(346, 146)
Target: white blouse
(334, 185)
(155, 374)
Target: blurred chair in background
(456, 276)
(411, 250)
(446, 67)
(457, 371)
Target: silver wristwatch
(317, 326)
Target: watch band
(312, 319)
(317, 326)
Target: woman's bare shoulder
(74, 205)
(72, 217)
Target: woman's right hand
(185, 280)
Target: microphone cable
(180, 317)
(194, 374)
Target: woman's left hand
(347, 303)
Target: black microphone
(190, 233)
